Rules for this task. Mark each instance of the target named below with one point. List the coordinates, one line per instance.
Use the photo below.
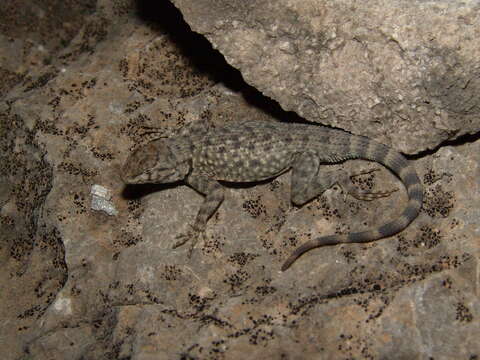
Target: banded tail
(363, 148)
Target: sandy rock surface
(87, 266)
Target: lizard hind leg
(346, 184)
(306, 183)
(309, 181)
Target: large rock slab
(403, 72)
(86, 265)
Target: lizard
(253, 151)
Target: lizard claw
(193, 235)
(183, 238)
(364, 172)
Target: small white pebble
(101, 197)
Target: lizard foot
(369, 196)
(194, 235)
(364, 195)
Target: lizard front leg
(214, 195)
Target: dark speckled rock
(87, 268)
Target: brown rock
(404, 73)
(87, 269)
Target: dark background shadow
(164, 16)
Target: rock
(404, 73)
(102, 281)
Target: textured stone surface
(368, 67)
(88, 284)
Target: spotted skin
(254, 151)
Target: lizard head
(155, 163)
